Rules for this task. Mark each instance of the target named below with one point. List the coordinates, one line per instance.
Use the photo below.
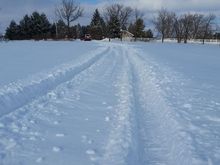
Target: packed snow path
(116, 106)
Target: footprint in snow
(60, 94)
(52, 95)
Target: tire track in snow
(122, 146)
(193, 105)
(162, 140)
(42, 110)
(18, 94)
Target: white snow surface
(100, 103)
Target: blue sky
(15, 9)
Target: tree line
(109, 24)
(116, 17)
(185, 27)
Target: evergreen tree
(45, 26)
(61, 30)
(36, 26)
(53, 31)
(96, 20)
(97, 26)
(114, 27)
(26, 28)
(12, 32)
(40, 26)
(149, 34)
(137, 28)
(84, 30)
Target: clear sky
(16, 9)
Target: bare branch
(69, 11)
(119, 11)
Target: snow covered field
(82, 103)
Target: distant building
(126, 35)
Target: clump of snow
(90, 152)
(107, 119)
(56, 149)
(39, 160)
(60, 135)
(188, 106)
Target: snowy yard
(82, 103)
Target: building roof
(127, 32)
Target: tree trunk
(162, 39)
(68, 29)
(185, 39)
(179, 39)
(203, 39)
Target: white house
(126, 35)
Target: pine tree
(114, 27)
(45, 26)
(138, 28)
(61, 29)
(26, 28)
(35, 26)
(53, 31)
(41, 26)
(84, 30)
(149, 34)
(97, 26)
(12, 32)
(97, 20)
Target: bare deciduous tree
(184, 27)
(121, 12)
(164, 23)
(69, 11)
(206, 27)
(188, 26)
(160, 22)
(197, 22)
(178, 29)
